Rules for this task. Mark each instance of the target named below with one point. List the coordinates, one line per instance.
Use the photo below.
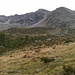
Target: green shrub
(47, 60)
(68, 41)
(2, 39)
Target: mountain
(24, 20)
(27, 49)
(60, 20)
(61, 17)
(29, 18)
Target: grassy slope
(26, 61)
(28, 30)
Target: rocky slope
(24, 20)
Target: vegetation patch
(68, 70)
(47, 60)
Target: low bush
(68, 41)
(68, 70)
(47, 60)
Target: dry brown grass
(27, 62)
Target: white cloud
(10, 7)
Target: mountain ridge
(60, 19)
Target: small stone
(38, 70)
(24, 56)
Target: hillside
(38, 43)
(27, 61)
(26, 52)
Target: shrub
(47, 60)
(68, 70)
(2, 38)
(68, 41)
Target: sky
(11, 7)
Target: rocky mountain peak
(42, 10)
(63, 10)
